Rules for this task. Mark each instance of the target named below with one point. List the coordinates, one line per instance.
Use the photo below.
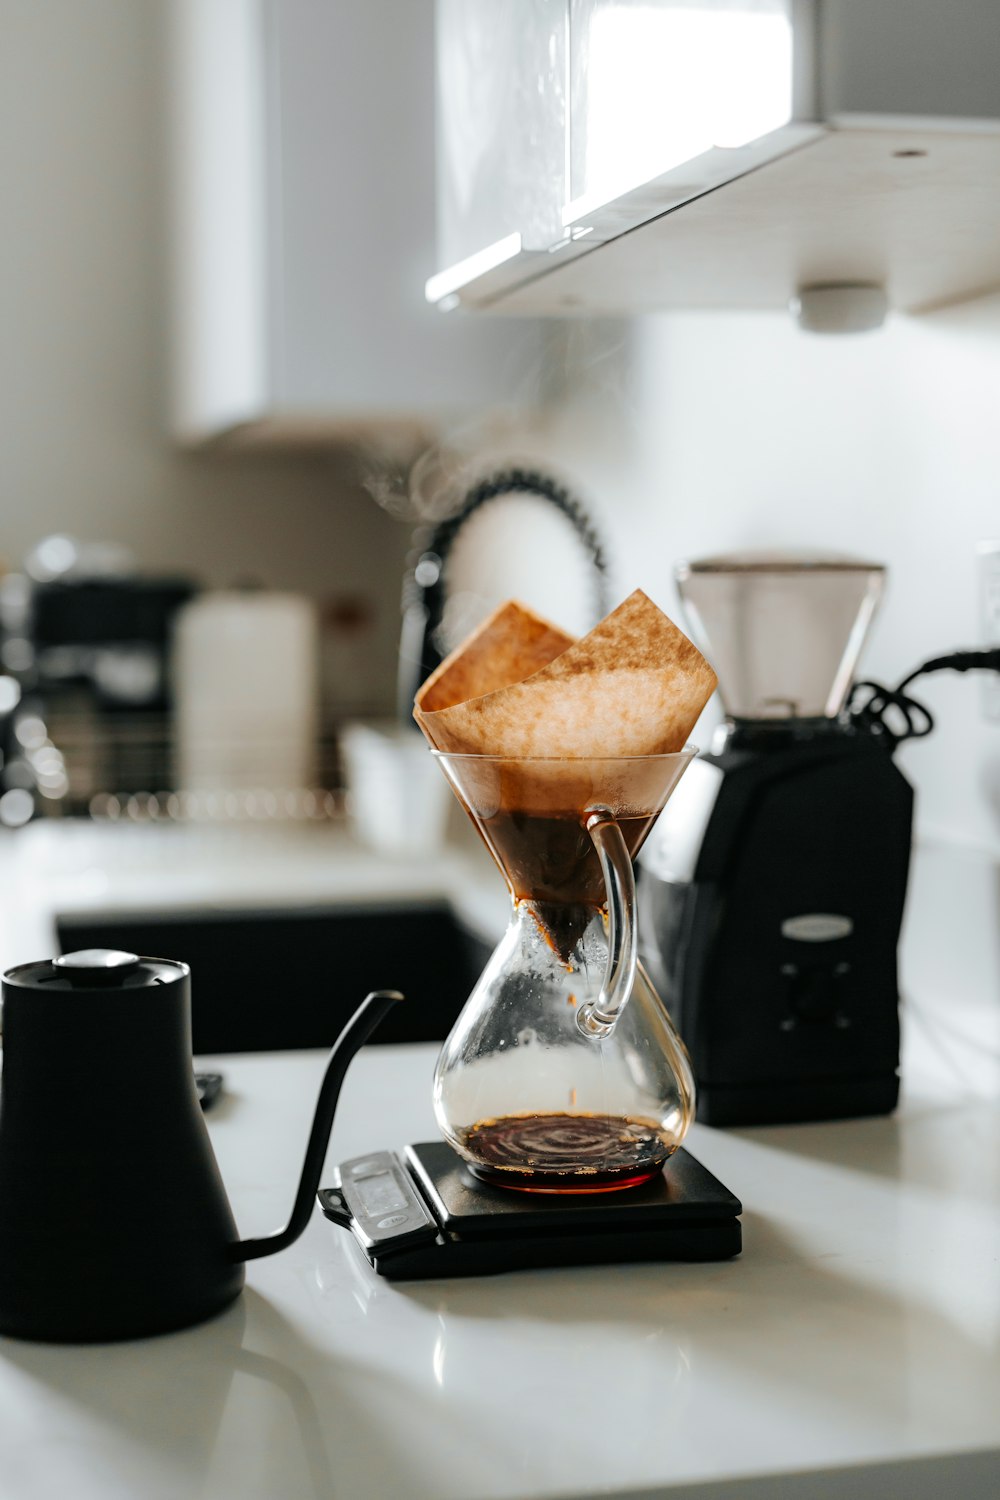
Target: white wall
(84, 323)
(695, 433)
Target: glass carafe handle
(598, 1017)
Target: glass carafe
(563, 1072)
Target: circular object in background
(840, 307)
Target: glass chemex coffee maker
(563, 1072)
(771, 894)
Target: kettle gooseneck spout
(353, 1037)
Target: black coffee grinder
(771, 891)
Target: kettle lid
(96, 968)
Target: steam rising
(578, 370)
(571, 402)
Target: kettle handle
(354, 1035)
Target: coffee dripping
(551, 862)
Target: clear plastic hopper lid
(784, 630)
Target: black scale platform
(424, 1215)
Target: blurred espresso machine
(772, 888)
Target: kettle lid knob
(97, 958)
(103, 967)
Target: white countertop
(852, 1349)
(62, 867)
(859, 1328)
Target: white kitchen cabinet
(303, 224)
(720, 153)
(502, 123)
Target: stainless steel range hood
(883, 170)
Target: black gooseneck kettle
(114, 1222)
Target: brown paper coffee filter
(509, 646)
(634, 685)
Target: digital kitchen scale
(424, 1215)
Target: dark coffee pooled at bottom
(567, 1153)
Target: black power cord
(893, 713)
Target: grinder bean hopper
(771, 893)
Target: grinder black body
(775, 950)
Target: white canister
(245, 689)
(398, 797)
